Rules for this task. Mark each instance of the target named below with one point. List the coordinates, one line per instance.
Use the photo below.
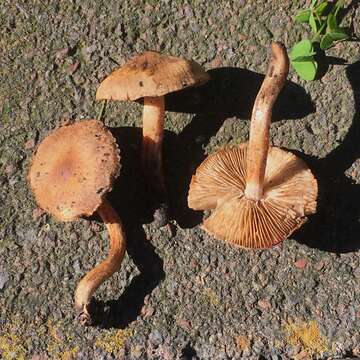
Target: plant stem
(102, 110)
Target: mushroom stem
(95, 277)
(153, 133)
(260, 121)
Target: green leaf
(320, 9)
(306, 69)
(331, 23)
(309, 57)
(313, 3)
(339, 35)
(328, 39)
(302, 16)
(302, 48)
(326, 42)
(312, 23)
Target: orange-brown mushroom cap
(149, 75)
(290, 193)
(73, 168)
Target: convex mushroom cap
(73, 168)
(150, 75)
(290, 193)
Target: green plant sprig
(323, 21)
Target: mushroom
(151, 76)
(260, 193)
(71, 171)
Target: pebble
(147, 311)
(72, 68)
(264, 304)
(29, 144)
(155, 337)
(37, 213)
(184, 324)
(301, 263)
(62, 53)
(4, 278)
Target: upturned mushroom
(151, 76)
(72, 170)
(260, 194)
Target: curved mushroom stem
(260, 121)
(153, 133)
(94, 278)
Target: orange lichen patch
(15, 340)
(11, 347)
(73, 168)
(242, 342)
(211, 297)
(306, 335)
(290, 192)
(12, 342)
(58, 343)
(151, 74)
(113, 342)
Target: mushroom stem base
(254, 191)
(94, 278)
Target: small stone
(155, 337)
(37, 213)
(39, 357)
(91, 49)
(9, 169)
(62, 53)
(136, 351)
(29, 144)
(4, 278)
(318, 266)
(72, 68)
(242, 342)
(302, 355)
(357, 273)
(216, 62)
(264, 304)
(147, 311)
(166, 352)
(184, 324)
(301, 263)
(252, 48)
(95, 227)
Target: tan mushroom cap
(73, 168)
(151, 74)
(290, 193)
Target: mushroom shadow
(336, 225)
(129, 199)
(231, 92)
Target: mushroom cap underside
(151, 74)
(73, 168)
(290, 193)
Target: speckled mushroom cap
(290, 193)
(151, 74)
(73, 168)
